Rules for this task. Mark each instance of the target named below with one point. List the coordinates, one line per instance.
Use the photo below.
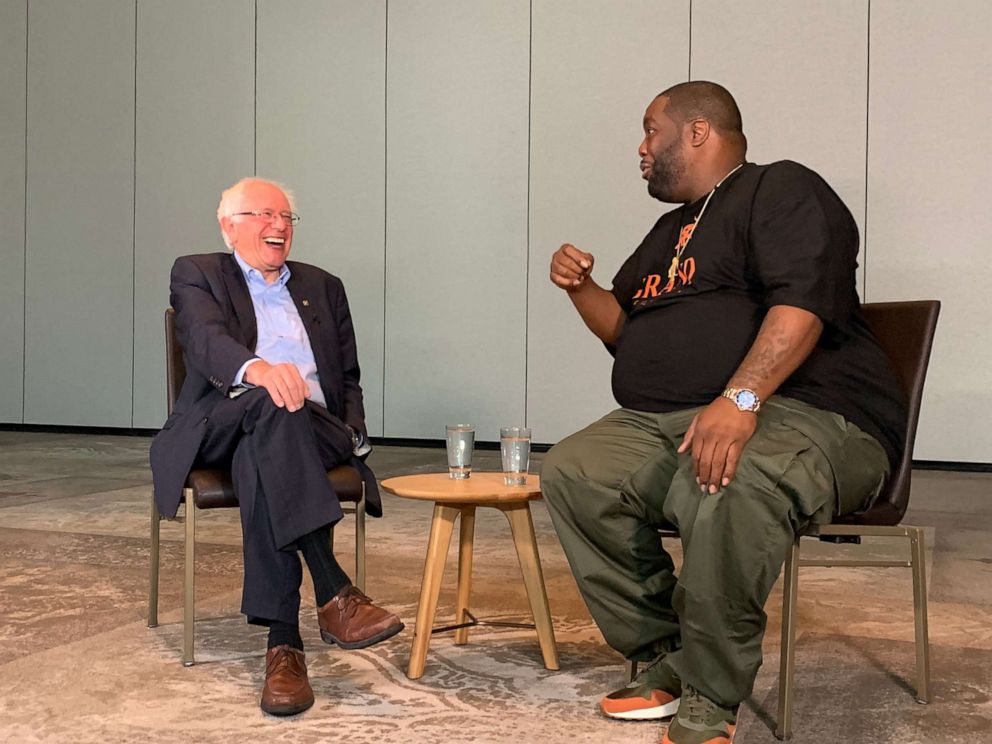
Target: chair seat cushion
(883, 513)
(347, 483)
(213, 489)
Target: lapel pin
(306, 303)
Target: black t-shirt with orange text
(771, 235)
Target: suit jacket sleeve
(354, 408)
(203, 325)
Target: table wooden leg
(522, 527)
(466, 535)
(437, 551)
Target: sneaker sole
(644, 714)
(733, 732)
(365, 642)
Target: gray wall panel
(195, 137)
(13, 41)
(929, 159)
(321, 131)
(437, 176)
(799, 73)
(456, 237)
(80, 203)
(589, 93)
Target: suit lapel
(297, 287)
(316, 321)
(244, 310)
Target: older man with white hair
(272, 392)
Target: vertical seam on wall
(24, 284)
(254, 102)
(864, 276)
(530, 93)
(134, 209)
(690, 42)
(385, 196)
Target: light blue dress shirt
(282, 338)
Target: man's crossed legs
(279, 462)
(611, 486)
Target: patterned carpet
(133, 689)
(78, 664)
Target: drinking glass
(460, 439)
(514, 447)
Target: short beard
(666, 172)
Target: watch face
(745, 400)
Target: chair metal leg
(787, 663)
(360, 542)
(466, 537)
(918, 560)
(153, 562)
(631, 670)
(189, 592)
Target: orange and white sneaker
(701, 721)
(653, 694)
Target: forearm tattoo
(784, 341)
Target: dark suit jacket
(215, 323)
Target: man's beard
(666, 172)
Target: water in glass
(514, 446)
(460, 439)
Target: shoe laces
(651, 665)
(283, 660)
(697, 708)
(644, 676)
(353, 601)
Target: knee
(263, 408)
(757, 513)
(559, 467)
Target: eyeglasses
(267, 214)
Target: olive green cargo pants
(610, 487)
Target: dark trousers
(279, 462)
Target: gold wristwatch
(744, 398)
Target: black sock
(281, 633)
(328, 577)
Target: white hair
(228, 196)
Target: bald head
(692, 140)
(701, 99)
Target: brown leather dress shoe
(352, 621)
(287, 689)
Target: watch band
(744, 398)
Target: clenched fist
(570, 267)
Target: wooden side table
(454, 498)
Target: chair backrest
(905, 331)
(175, 366)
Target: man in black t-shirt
(754, 400)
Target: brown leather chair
(905, 331)
(213, 489)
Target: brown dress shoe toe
(351, 620)
(287, 689)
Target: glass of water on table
(460, 440)
(514, 447)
